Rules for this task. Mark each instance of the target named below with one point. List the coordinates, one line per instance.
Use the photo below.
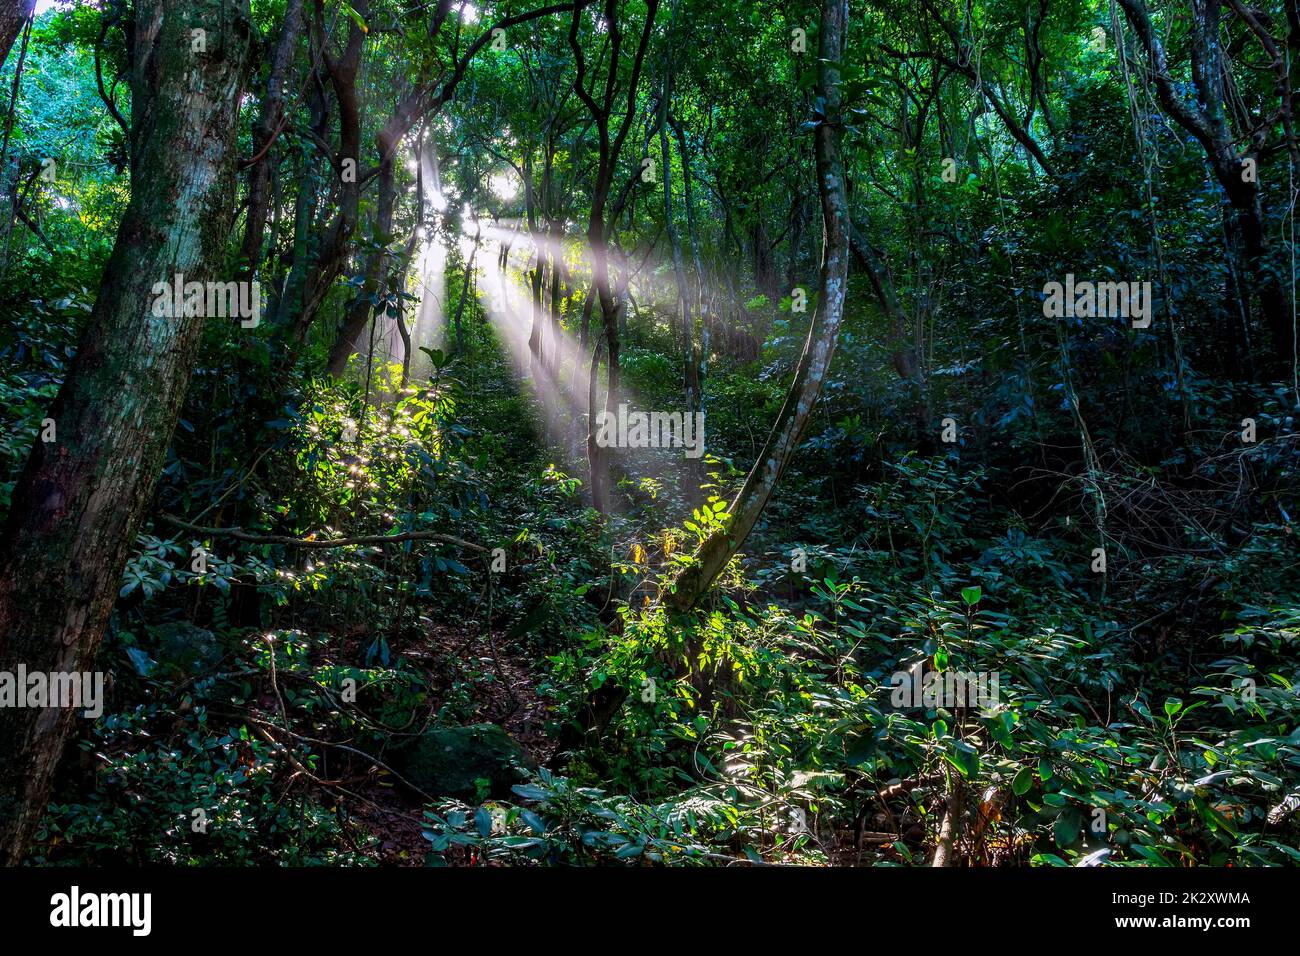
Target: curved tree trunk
(358, 315)
(823, 335)
(79, 503)
(1204, 119)
(311, 275)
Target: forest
(649, 433)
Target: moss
(449, 762)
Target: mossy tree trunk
(79, 502)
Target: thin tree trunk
(823, 333)
(702, 308)
(535, 273)
(598, 231)
(304, 215)
(584, 328)
(269, 126)
(950, 825)
(464, 290)
(325, 262)
(375, 273)
(690, 365)
(555, 263)
(1208, 125)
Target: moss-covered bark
(77, 507)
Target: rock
(187, 647)
(450, 761)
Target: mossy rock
(187, 649)
(450, 761)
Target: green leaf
(483, 820)
(965, 758)
(1065, 830)
(1023, 780)
(972, 595)
(141, 661)
(356, 18)
(530, 791)
(520, 842)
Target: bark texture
(13, 14)
(80, 500)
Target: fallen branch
(240, 534)
(344, 747)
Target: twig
(245, 163)
(352, 750)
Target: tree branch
(239, 534)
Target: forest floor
(508, 697)
(507, 670)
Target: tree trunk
(304, 215)
(360, 311)
(691, 366)
(584, 327)
(598, 457)
(1208, 125)
(324, 263)
(269, 125)
(13, 14)
(823, 334)
(464, 294)
(702, 308)
(80, 500)
(598, 231)
(555, 264)
(535, 273)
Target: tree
(13, 14)
(717, 549)
(1208, 123)
(270, 124)
(690, 365)
(599, 228)
(81, 498)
